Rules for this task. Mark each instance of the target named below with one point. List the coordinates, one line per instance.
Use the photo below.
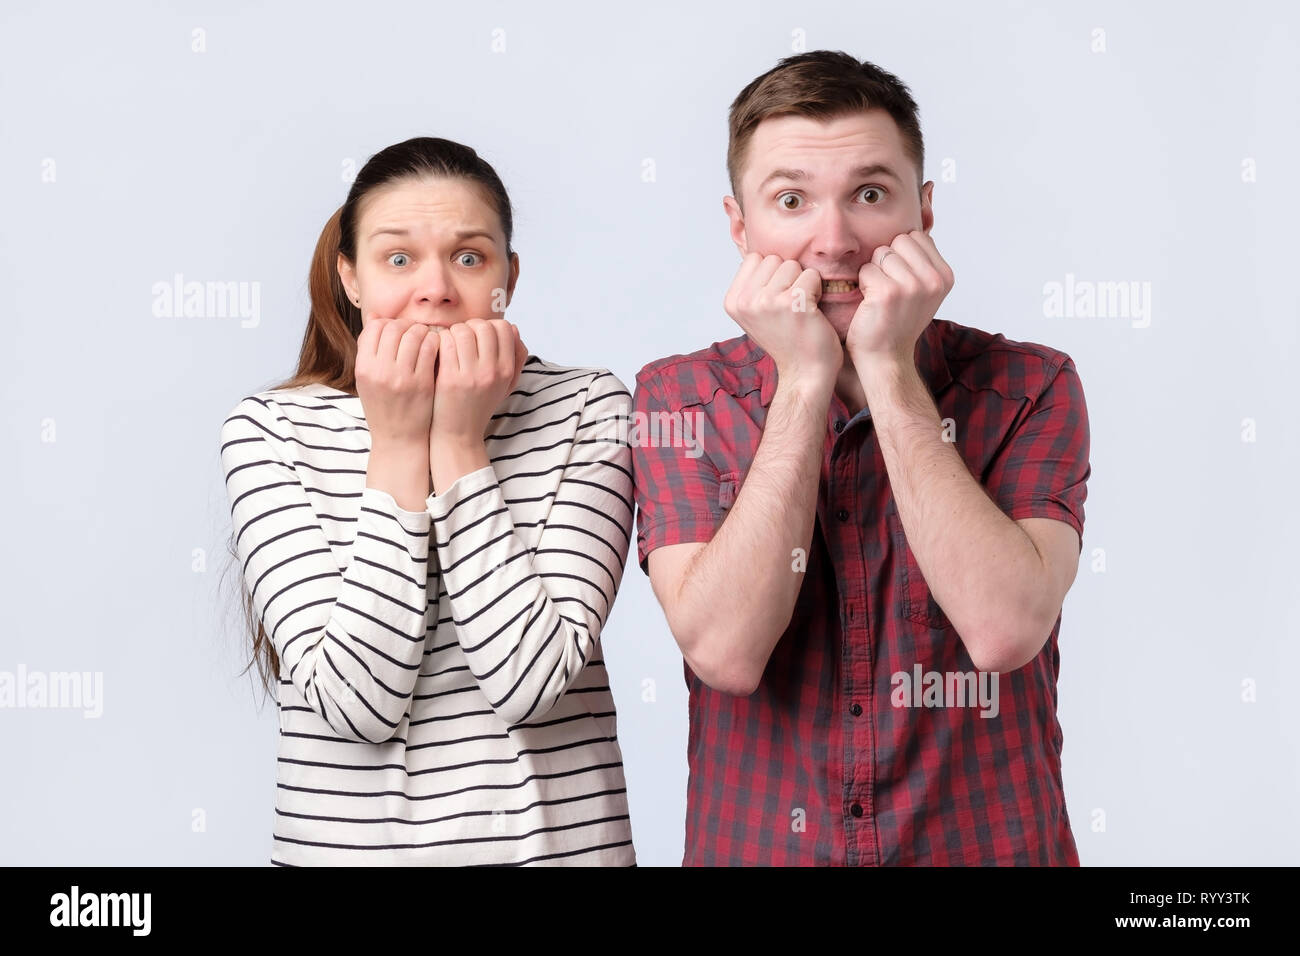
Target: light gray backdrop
(1152, 144)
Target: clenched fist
(395, 373)
(775, 302)
(479, 363)
(902, 288)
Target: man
(865, 569)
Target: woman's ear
(514, 277)
(348, 276)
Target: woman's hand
(479, 363)
(395, 372)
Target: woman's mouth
(832, 286)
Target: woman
(431, 526)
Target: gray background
(1122, 165)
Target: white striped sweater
(443, 696)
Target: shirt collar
(930, 362)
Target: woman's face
(431, 250)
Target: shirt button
(839, 425)
(856, 809)
(856, 710)
(842, 515)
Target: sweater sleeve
(529, 622)
(351, 639)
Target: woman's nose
(435, 285)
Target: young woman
(431, 526)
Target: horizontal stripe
(459, 643)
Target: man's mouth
(831, 286)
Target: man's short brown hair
(822, 85)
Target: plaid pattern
(818, 766)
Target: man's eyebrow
(460, 236)
(862, 172)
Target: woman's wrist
(451, 457)
(401, 470)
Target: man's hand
(902, 287)
(775, 302)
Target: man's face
(432, 251)
(810, 194)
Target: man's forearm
(737, 596)
(981, 567)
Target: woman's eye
(470, 255)
(872, 189)
(398, 255)
(784, 198)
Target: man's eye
(784, 198)
(471, 255)
(872, 189)
(397, 255)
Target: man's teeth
(839, 285)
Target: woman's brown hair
(329, 345)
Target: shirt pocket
(915, 600)
(728, 488)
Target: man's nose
(834, 238)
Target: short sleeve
(680, 495)
(1043, 469)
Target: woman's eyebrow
(460, 236)
(473, 234)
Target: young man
(865, 568)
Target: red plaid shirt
(818, 765)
